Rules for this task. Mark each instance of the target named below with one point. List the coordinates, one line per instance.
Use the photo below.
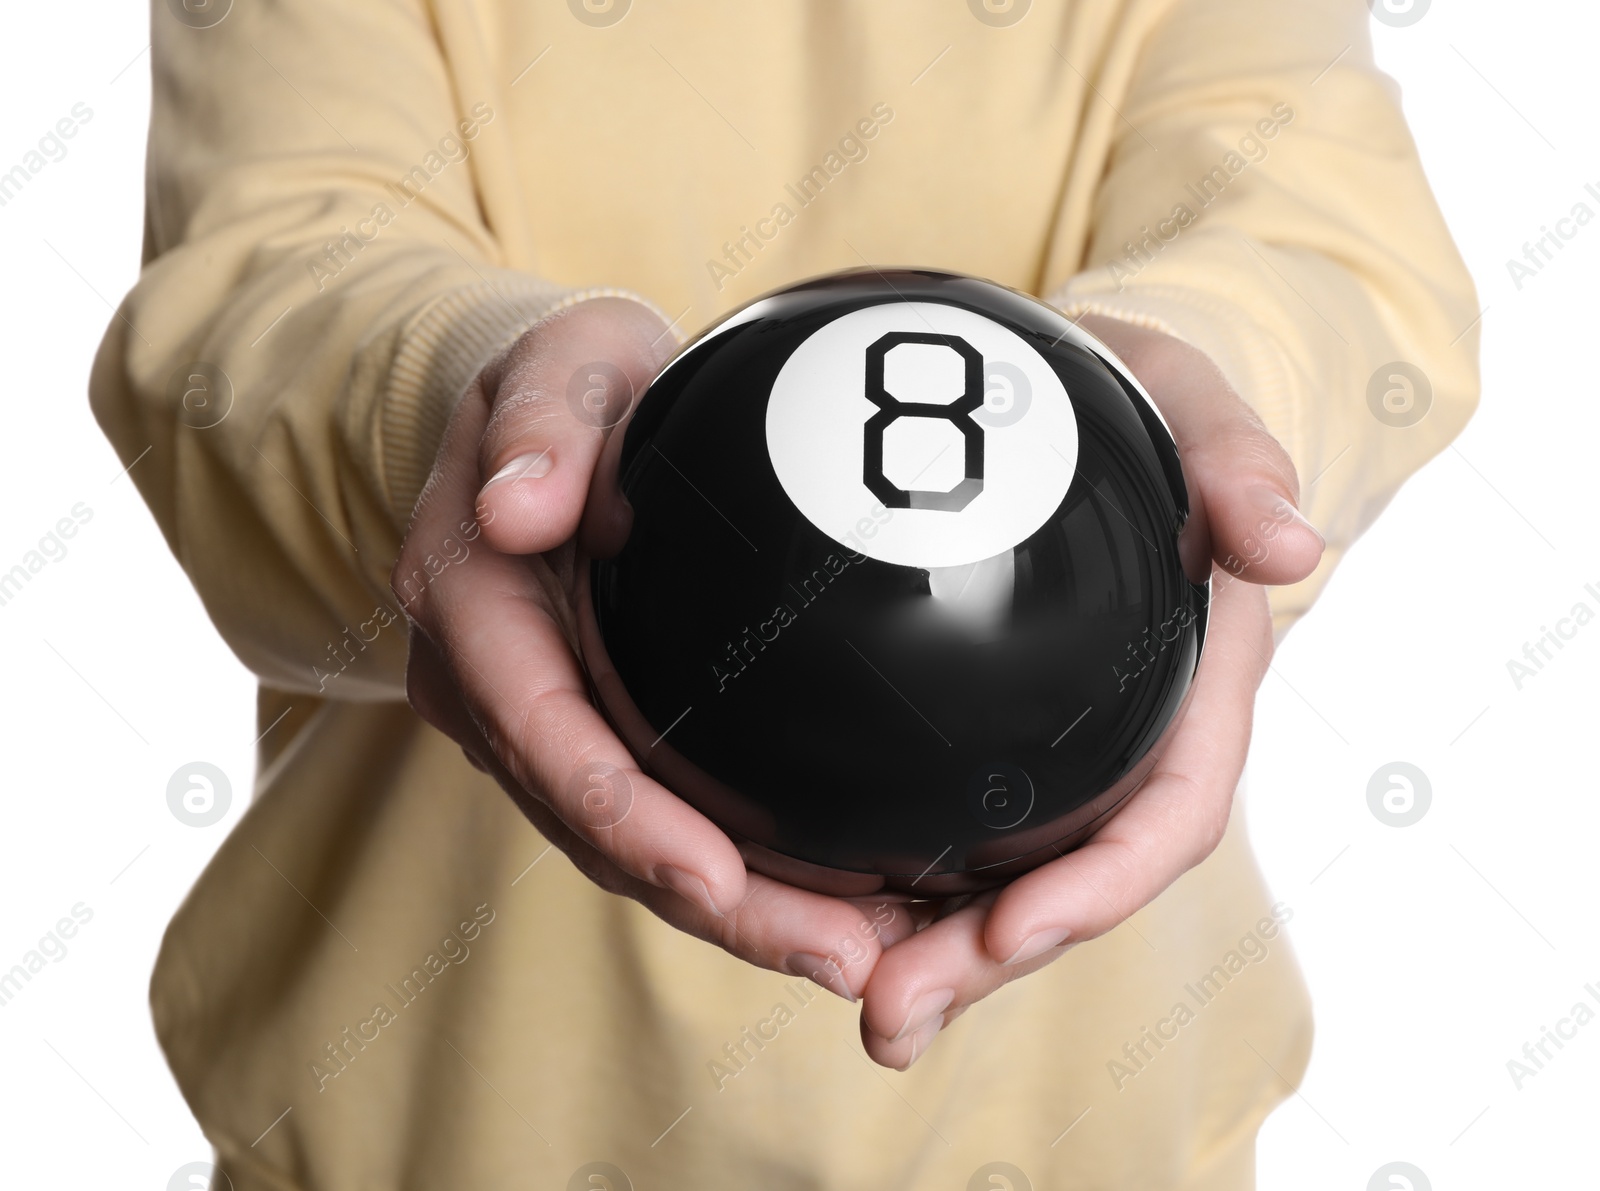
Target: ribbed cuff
(442, 348)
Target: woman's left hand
(1243, 490)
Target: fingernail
(524, 467)
(925, 1009)
(921, 1040)
(1037, 944)
(685, 885)
(1276, 506)
(820, 970)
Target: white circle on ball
(817, 435)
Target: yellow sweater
(351, 206)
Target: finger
(553, 397)
(1239, 475)
(483, 613)
(830, 941)
(1257, 532)
(514, 669)
(834, 942)
(432, 692)
(923, 983)
(893, 919)
(607, 517)
(1173, 821)
(1244, 480)
(519, 678)
(443, 530)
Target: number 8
(892, 408)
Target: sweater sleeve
(1263, 200)
(319, 284)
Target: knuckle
(523, 403)
(526, 420)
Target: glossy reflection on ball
(901, 605)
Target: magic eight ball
(901, 605)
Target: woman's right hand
(486, 574)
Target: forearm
(322, 304)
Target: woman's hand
(486, 575)
(1243, 490)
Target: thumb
(554, 397)
(1250, 493)
(1240, 478)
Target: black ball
(901, 605)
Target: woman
(383, 236)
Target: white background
(1433, 952)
